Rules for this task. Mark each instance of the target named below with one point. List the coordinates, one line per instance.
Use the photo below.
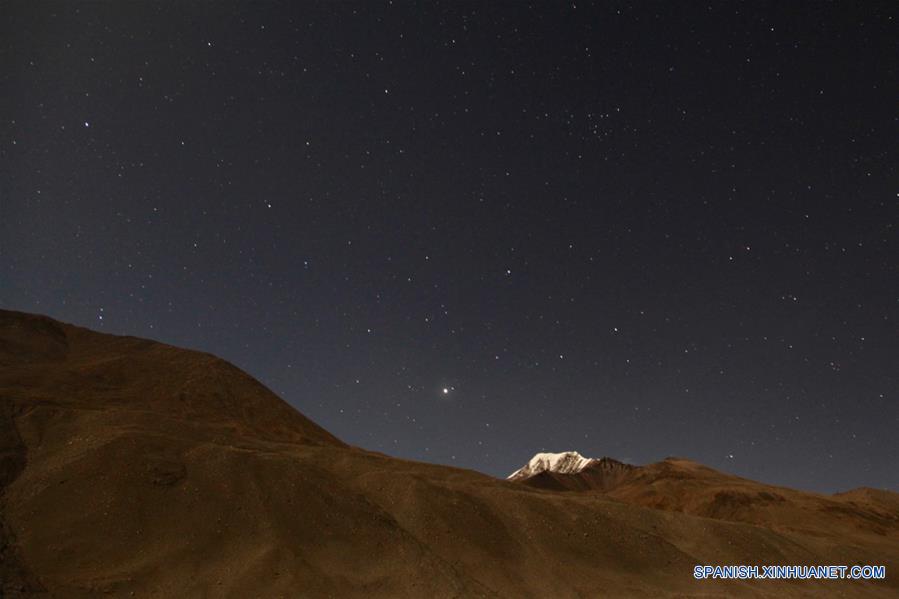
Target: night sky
(467, 232)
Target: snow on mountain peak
(567, 462)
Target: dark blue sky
(630, 230)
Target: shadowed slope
(50, 364)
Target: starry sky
(467, 232)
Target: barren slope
(680, 485)
(129, 466)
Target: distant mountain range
(680, 485)
(133, 468)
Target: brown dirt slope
(680, 485)
(132, 468)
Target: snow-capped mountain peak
(567, 462)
